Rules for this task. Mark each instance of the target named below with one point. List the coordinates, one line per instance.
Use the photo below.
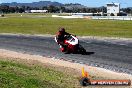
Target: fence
(113, 17)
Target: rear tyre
(82, 50)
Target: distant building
(36, 11)
(113, 9)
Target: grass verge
(20, 75)
(31, 24)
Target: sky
(89, 3)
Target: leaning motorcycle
(71, 45)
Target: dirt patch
(35, 59)
(64, 66)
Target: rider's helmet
(62, 30)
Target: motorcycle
(71, 45)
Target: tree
(21, 9)
(44, 7)
(128, 10)
(28, 8)
(12, 9)
(4, 9)
(52, 9)
(63, 9)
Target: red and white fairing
(71, 41)
(71, 45)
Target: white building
(36, 11)
(113, 8)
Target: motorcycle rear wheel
(82, 50)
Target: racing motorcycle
(71, 45)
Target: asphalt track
(110, 55)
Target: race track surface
(112, 56)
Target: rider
(61, 36)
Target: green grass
(16, 75)
(28, 14)
(46, 25)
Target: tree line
(51, 9)
(57, 9)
